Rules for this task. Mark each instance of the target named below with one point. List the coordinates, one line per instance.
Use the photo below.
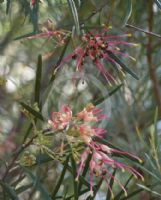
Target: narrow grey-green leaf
(149, 190)
(60, 179)
(74, 173)
(37, 184)
(118, 196)
(132, 194)
(8, 6)
(38, 80)
(124, 67)
(108, 196)
(73, 9)
(32, 111)
(100, 100)
(128, 11)
(158, 2)
(9, 190)
(85, 170)
(23, 188)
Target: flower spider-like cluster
(81, 127)
(99, 47)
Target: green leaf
(96, 188)
(38, 80)
(32, 111)
(24, 36)
(115, 89)
(149, 190)
(128, 12)
(34, 16)
(56, 67)
(118, 196)
(113, 56)
(132, 194)
(73, 8)
(85, 170)
(37, 184)
(41, 159)
(27, 132)
(108, 196)
(74, 173)
(8, 6)
(9, 190)
(31, 12)
(80, 193)
(44, 159)
(60, 179)
(158, 2)
(100, 100)
(155, 125)
(23, 188)
(156, 176)
(151, 162)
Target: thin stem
(152, 68)
(144, 31)
(24, 146)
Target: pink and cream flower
(60, 120)
(90, 114)
(101, 162)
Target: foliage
(63, 63)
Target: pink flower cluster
(61, 120)
(100, 164)
(101, 155)
(98, 47)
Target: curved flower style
(60, 120)
(101, 160)
(100, 47)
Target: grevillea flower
(102, 156)
(90, 114)
(100, 164)
(59, 36)
(99, 47)
(60, 120)
(87, 132)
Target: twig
(24, 146)
(93, 13)
(142, 30)
(152, 70)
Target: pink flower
(87, 132)
(98, 47)
(90, 114)
(101, 161)
(59, 36)
(60, 120)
